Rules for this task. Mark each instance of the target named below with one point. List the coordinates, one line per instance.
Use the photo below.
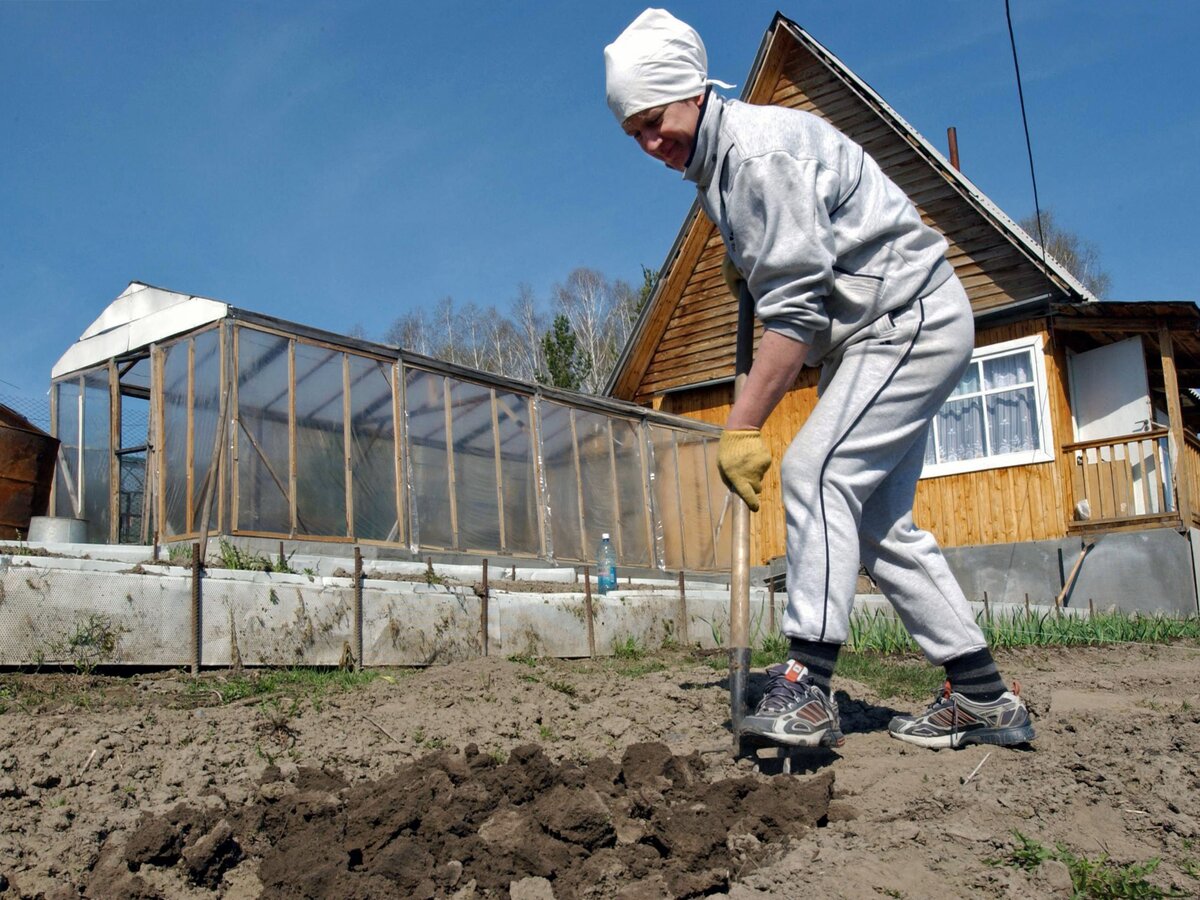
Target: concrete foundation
(1137, 571)
(49, 603)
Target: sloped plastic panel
(373, 450)
(597, 475)
(66, 473)
(518, 473)
(475, 479)
(206, 411)
(428, 458)
(562, 482)
(262, 438)
(666, 496)
(174, 456)
(633, 510)
(320, 442)
(97, 450)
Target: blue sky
(340, 164)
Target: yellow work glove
(742, 460)
(733, 278)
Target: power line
(1037, 208)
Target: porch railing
(1126, 480)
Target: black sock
(975, 676)
(818, 657)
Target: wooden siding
(688, 336)
(1017, 503)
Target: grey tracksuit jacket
(836, 256)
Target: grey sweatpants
(850, 476)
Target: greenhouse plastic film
(476, 488)
(320, 442)
(518, 473)
(97, 450)
(206, 416)
(559, 468)
(372, 450)
(262, 436)
(173, 455)
(425, 435)
(66, 429)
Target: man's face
(667, 132)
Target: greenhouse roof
(141, 315)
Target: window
(997, 415)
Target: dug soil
(565, 779)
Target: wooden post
(682, 627)
(1027, 604)
(587, 611)
(358, 607)
(483, 609)
(1091, 608)
(114, 460)
(451, 480)
(347, 443)
(987, 609)
(197, 624)
(293, 473)
(739, 576)
(1179, 461)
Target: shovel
(739, 578)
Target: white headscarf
(655, 61)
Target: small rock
(1057, 877)
(276, 790)
(8, 788)
(466, 892)
(46, 780)
(532, 888)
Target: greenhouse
(179, 415)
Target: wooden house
(1065, 466)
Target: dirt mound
(465, 824)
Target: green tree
(565, 366)
(649, 283)
(1077, 256)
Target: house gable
(685, 336)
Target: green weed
(628, 649)
(1099, 878)
(562, 687)
(313, 684)
(92, 641)
(231, 556)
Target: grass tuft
(1098, 878)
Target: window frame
(1044, 454)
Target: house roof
(685, 333)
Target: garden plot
(531, 778)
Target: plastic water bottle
(606, 565)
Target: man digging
(844, 275)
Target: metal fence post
(358, 606)
(197, 624)
(483, 610)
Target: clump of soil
(466, 824)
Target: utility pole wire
(1037, 208)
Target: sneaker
(795, 711)
(953, 720)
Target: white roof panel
(140, 316)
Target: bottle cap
(604, 536)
